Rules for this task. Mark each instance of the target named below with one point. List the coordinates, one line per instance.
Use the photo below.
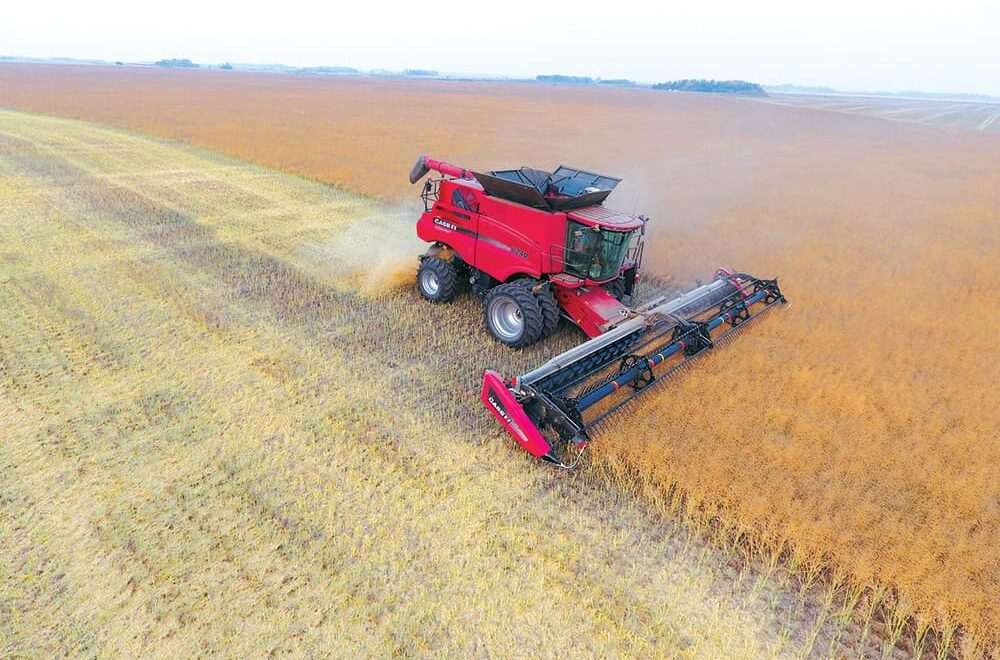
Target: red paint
(592, 308)
(501, 402)
(447, 169)
(602, 216)
(507, 240)
(735, 281)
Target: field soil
(856, 432)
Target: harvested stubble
(859, 427)
(210, 445)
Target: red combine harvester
(538, 246)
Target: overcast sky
(948, 46)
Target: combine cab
(540, 246)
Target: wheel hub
(506, 318)
(429, 282)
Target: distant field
(978, 116)
(855, 432)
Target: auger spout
(425, 164)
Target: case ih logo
(492, 398)
(446, 224)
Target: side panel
(592, 308)
(502, 404)
(513, 239)
(456, 227)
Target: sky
(890, 45)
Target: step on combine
(541, 246)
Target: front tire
(550, 310)
(512, 315)
(437, 280)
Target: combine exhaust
(549, 410)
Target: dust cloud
(374, 254)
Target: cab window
(595, 254)
(464, 200)
(459, 201)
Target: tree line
(741, 87)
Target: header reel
(574, 391)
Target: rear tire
(512, 315)
(437, 280)
(550, 309)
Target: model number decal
(519, 252)
(445, 224)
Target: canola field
(852, 436)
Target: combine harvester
(537, 246)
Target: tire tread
(447, 279)
(530, 310)
(550, 310)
